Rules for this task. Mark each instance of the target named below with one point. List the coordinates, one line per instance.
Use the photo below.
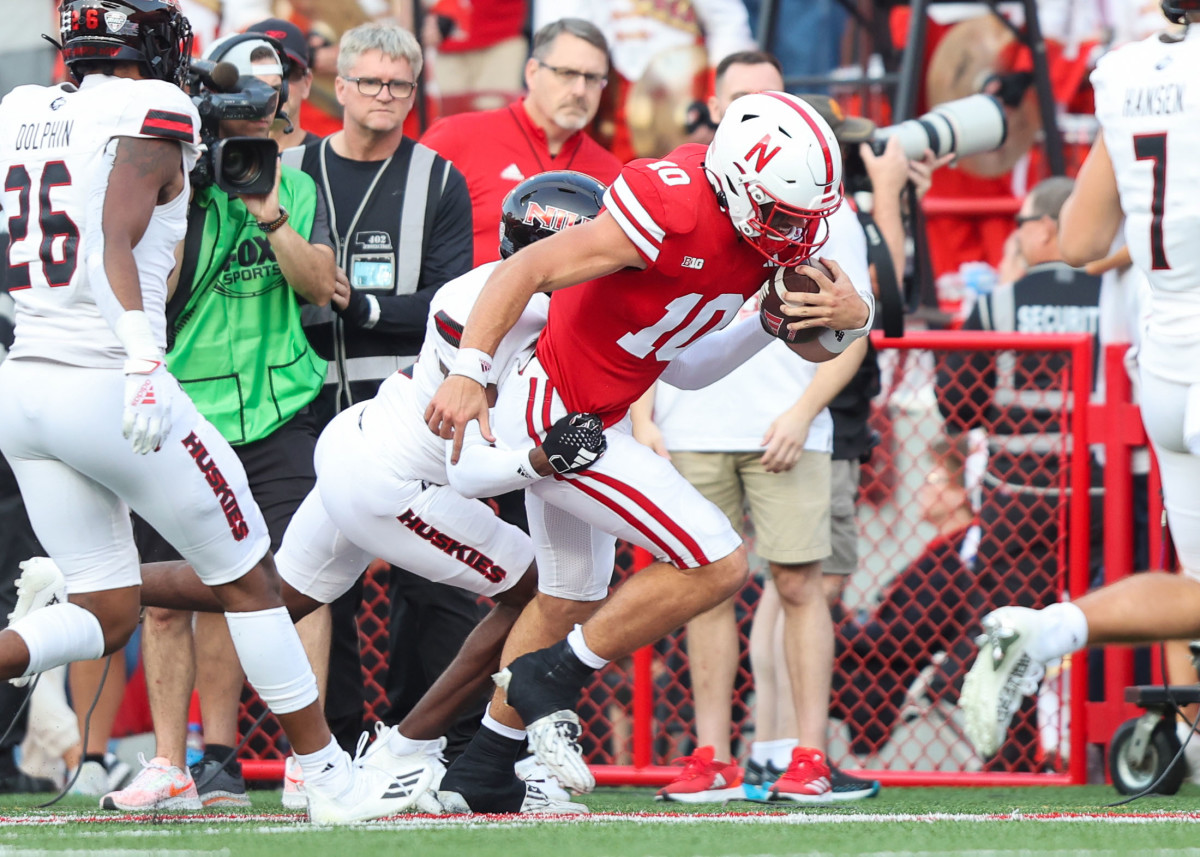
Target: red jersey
(497, 149)
(607, 340)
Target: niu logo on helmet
(552, 217)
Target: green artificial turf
(628, 823)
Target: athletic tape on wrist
(133, 329)
(474, 364)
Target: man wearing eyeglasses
(496, 149)
(1018, 397)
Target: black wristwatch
(272, 225)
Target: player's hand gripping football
(458, 401)
(836, 306)
(575, 443)
(149, 389)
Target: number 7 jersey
(607, 340)
(1148, 104)
(56, 151)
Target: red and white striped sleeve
(639, 218)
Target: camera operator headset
(257, 245)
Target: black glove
(575, 442)
(357, 311)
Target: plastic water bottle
(978, 278)
(195, 744)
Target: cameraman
(237, 346)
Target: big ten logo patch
(250, 270)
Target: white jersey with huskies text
(57, 145)
(1148, 104)
(394, 420)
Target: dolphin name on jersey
(43, 135)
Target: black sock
(546, 681)
(95, 757)
(484, 774)
(221, 753)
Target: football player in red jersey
(682, 243)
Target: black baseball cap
(295, 45)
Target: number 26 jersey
(608, 339)
(56, 151)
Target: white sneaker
(40, 585)
(534, 772)
(536, 802)
(373, 793)
(294, 796)
(554, 740)
(160, 785)
(1002, 673)
(380, 754)
(92, 780)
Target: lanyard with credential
(333, 228)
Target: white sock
(59, 634)
(1063, 629)
(778, 752)
(580, 647)
(500, 729)
(401, 745)
(328, 769)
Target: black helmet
(1177, 10)
(544, 204)
(151, 33)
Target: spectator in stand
(762, 435)
(543, 131)
(290, 132)
(641, 35)
(489, 55)
(933, 605)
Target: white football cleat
(535, 802)
(1002, 674)
(373, 793)
(380, 754)
(535, 773)
(554, 740)
(294, 796)
(40, 585)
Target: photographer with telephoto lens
(257, 247)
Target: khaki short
(790, 510)
(843, 506)
(498, 67)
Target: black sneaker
(472, 787)
(757, 780)
(844, 787)
(218, 786)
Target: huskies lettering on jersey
(43, 135)
(251, 262)
(1040, 318)
(465, 554)
(220, 488)
(1154, 100)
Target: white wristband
(474, 364)
(133, 329)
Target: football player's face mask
(777, 171)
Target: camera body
(237, 165)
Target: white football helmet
(777, 167)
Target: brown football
(770, 302)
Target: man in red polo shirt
(496, 149)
